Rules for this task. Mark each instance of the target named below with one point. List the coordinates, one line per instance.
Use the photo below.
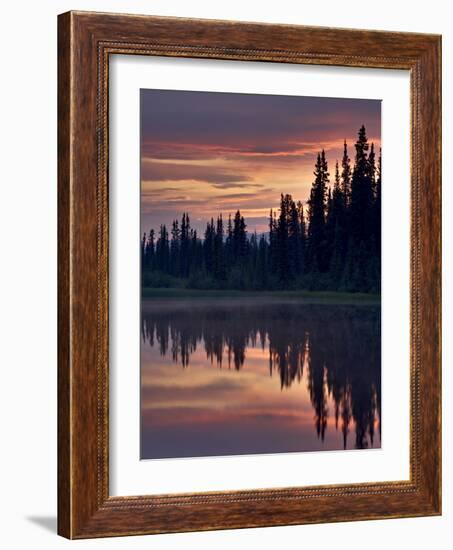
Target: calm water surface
(247, 376)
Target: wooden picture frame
(85, 42)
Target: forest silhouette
(330, 242)
(333, 349)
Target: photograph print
(260, 274)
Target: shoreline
(304, 296)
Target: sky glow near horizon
(211, 153)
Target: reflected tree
(335, 349)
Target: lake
(234, 376)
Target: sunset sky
(208, 153)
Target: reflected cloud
(312, 371)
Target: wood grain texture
(86, 40)
(64, 368)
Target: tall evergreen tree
(330, 226)
(208, 247)
(316, 216)
(283, 261)
(175, 249)
(229, 243)
(262, 264)
(150, 250)
(303, 236)
(273, 256)
(361, 191)
(294, 239)
(143, 250)
(346, 175)
(372, 169)
(338, 229)
(163, 250)
(185, 245)
(219, 266)
(196, 255)
(239, 237)
(243, 244)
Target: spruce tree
(174, 249)
(219, 256)
(294, 240)
(273, 257)
(143, 250)
(338, 229)
(316, 216)
(372, 169)
(150, 250)
(303, 236)
(262, 265)
(236, 237)
(346, 175)
(283, 261)
(243, 244)
(208, 247)
(361, 191)
(163, 250)
(229, 244)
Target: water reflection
(244, 377)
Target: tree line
(333, 242)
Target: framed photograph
(249, 275)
